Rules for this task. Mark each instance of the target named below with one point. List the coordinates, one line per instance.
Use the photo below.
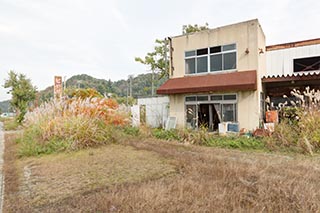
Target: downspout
(170, 53)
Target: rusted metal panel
(235, 81)
(293, 44)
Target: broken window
(306, 64)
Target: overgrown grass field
(159, 176)
(80, 155)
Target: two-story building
(224, 74)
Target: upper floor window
(306, 64)
(218, 58)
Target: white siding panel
(157, 110)
(280, 62)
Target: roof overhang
(233, 81)
(303, 76)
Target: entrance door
(208, 117)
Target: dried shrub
(299, 127)
(71, 124)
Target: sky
(101, 38)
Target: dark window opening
(306, 64)
(216, 49)
(202, 51)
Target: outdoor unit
(226, 127)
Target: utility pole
(152, 83)
(130, 84)
(64, 86)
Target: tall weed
(299, 129)
(71, 124)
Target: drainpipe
(170, 53)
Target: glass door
(192, 119)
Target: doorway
(208, 117)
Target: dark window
(202, 51)
(306, 64)
(216, 97)
(191, 98)
(216, 49)
(230, 97)
(202, 98)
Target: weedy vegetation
(153, 170)
(10, 124)
(299, 129)
(71, 124)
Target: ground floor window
(210, 110)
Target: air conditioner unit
(226, 127)
(233, 127)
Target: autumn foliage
(72, 124)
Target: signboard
(57, 87)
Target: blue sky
(43, 38)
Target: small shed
(152, 111)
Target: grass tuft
(71, 124)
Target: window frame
(222, 53)
(195, 102)
(299, 62)
(188, 55)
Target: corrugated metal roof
(312, 75)
(235, 81)
(293, 44)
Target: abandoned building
(224, 75)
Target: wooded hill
(141, 85)
(4, 106)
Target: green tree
(194, 28)
(158, 60)
(22, 92)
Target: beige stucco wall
(243, 34)
(177, 109)
(247, 36)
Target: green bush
(10, 124)
(235, 142)
(130, 130)
(202, 137)
(166, 134)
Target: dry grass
(206, 180)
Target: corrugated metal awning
(235, 81)
(298, 76)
